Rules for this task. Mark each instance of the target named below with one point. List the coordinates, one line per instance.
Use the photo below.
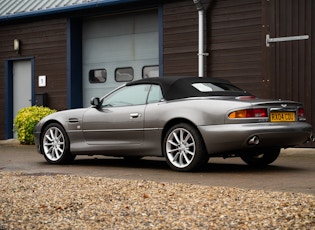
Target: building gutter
(201, 54)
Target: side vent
(73, 120)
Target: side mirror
(95, 102)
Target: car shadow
(244, 168)
(121, 162)
(160, 164)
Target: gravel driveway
(75, 202)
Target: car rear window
(206, 87)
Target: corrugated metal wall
(292, 63)
(235, 40)
(180, 38)
(234, 43)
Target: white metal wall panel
(128, 40)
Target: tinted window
(124, 74)
(128, 96)
(215, 87)
(97, 76)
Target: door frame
(8, 94)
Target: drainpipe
(201, 53)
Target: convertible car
(187, 120)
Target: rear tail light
(249, 113)
(301, 114)
(246, 97)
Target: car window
(155, 94)
(214, 87)
(127, 96)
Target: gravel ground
(74, 202)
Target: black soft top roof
(181, 87)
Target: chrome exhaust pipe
(311, 138)
(254, 140)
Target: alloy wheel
(54, 144)
(180, 147)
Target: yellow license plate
(282, 116)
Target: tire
(260, 158)
(184, 149)
(55, 145)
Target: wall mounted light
(17, 45)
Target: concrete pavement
(293, 171)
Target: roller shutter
(117, 45)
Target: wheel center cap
(55, 144)
(182, 147)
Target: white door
(22, 85)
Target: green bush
(25, 121)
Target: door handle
(135, 115)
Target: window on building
(124, 74)
(97, 76)
(150, 71)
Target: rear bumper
(229, 137)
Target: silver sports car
(187, 120)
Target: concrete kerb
(10, 142)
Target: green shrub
(25, 121)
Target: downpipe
(201, 53)
(310, 139)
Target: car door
(119, 121)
